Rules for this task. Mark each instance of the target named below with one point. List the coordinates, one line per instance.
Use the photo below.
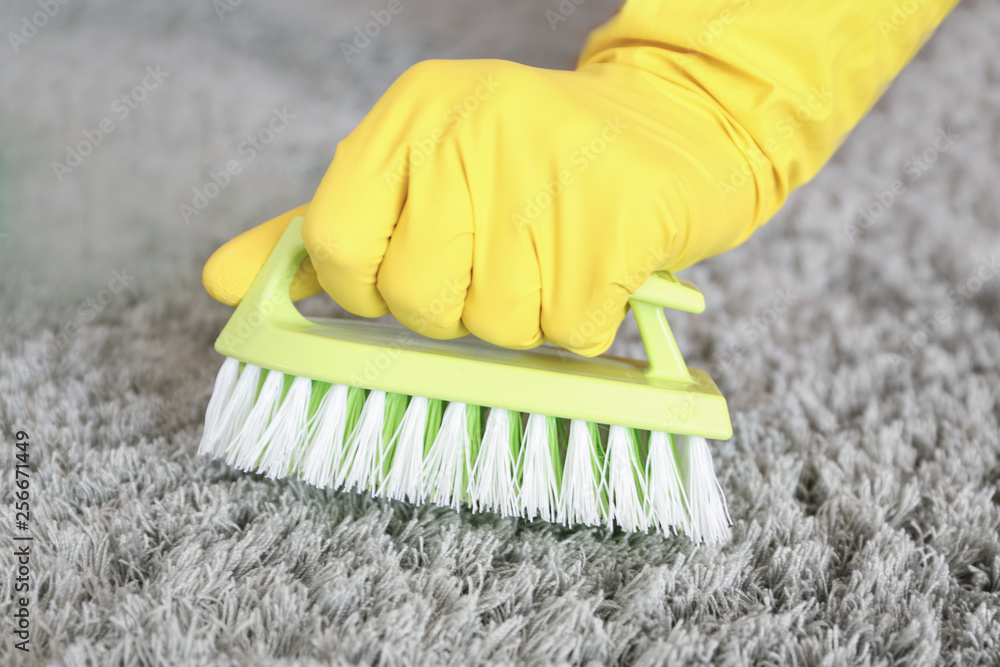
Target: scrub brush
(541, 434)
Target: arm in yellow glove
(525, 205)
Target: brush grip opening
(270, 292)
(269, 296)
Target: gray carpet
(862, 374)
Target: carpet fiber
(860, 355)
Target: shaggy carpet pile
(856, 336)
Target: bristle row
(493, 460)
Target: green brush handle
(664, 290)
(269, 295)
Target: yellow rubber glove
(522, 204)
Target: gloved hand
(523, 205)
(518, 203)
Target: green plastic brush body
(662, 395)
(365, 406)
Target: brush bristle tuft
(405, 455)
(710, 520)
(494, 487)
(582, 497)
(448, 466)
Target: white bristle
(240, 403)
(286, 431)
(709, 514)
(539, 486)
(324, 447)
(581, 483)
(225, 382)
(493, 487)
(362, 468)
(626, 482)
(245, 449)
(403, 482)
(667, 500)
(447, 469)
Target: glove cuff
(791, 77)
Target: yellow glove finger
(230, 270)
(359, 200)
(428, 265)
(503, 304)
